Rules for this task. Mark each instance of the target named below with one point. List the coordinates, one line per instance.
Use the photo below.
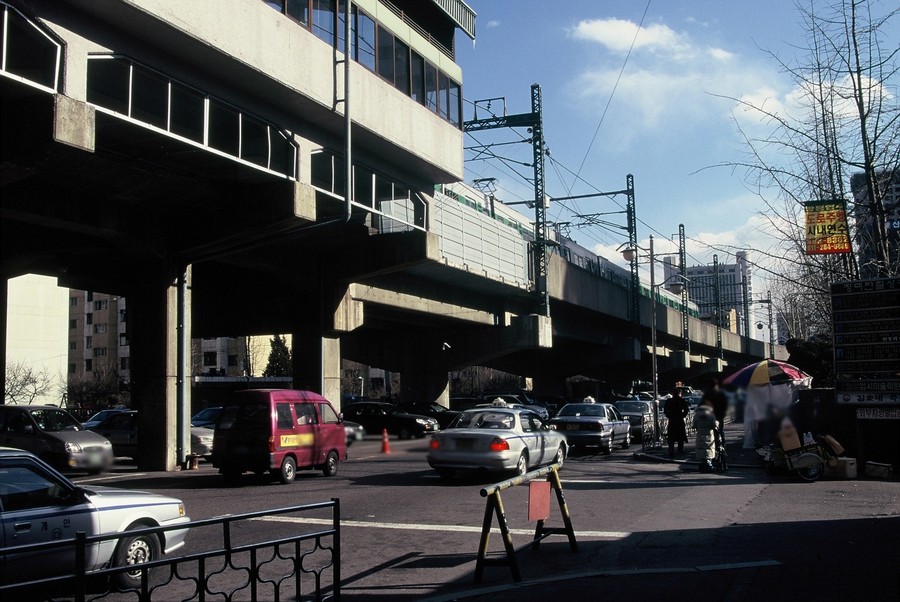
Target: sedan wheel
(560, 456)
(626, 443)
(522, 465)
(133, 551)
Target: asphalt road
(407, 535)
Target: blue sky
(666, 122)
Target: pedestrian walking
(706, 424)
(718, 401)
(676, 410)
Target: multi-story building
(865, 233)
(98, 336)
(735, 283)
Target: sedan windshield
(55, 420)
(582, 409)
(485, 420)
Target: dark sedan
(593, 424)
(443, 415)
(634, 412)
(377, 416)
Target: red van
(278, 431)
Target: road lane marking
(127, 475)
(420, 527)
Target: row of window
(210, 358)
(124, 364)
(100, 304)
(377, 49)
(128, 88)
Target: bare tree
(846, 125)
(24, 384)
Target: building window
(209, 358)
(365, 40)
(101, 304)
(99, 328)
(323, 20)
(88, 319)
(88, 342)
(73, 345)
(123, 315)
(100, 352)
(232, 360)
(123, 363)
(73, 324)
(123, 340)
(90, 296)
(88, 365)
(73, 301)
(71, 368)
(417, 77)
(385, 54)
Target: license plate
(571, 427)
(465, 443)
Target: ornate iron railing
(304, 566)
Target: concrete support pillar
(4, 308)
(153, 334)
(316, 362)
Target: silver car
(496, 438)
(39, 505)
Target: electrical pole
(534, 122)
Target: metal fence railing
(299, 566)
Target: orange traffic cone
(385, 446)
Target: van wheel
(288, 471)
(330, 468)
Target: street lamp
(362, 392)
(630, 254)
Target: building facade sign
(866, 316)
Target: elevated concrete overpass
(210, 242)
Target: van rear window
(248, 415)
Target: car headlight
(107, 445)
(423, 420)
(73, 448)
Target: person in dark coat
(717, 400)
(676, 410)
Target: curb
(639, 455)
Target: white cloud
(618, 35)
(493, 23)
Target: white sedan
(39, 505)
(497, 438)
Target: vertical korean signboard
(866, 315)
(826, 227)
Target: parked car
(377, 416)
(41, 505)
(55, 436)
(593, 424)
(633, 412)
(206, 417)
(121, 429)
(278, 431)
(497, 438)
(99, 417)
(434, 410)
(354, 431)
(522, 401)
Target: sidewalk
(738, 457)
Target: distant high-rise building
(735, 284)
(865, 231)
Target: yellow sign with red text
(826, 228)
